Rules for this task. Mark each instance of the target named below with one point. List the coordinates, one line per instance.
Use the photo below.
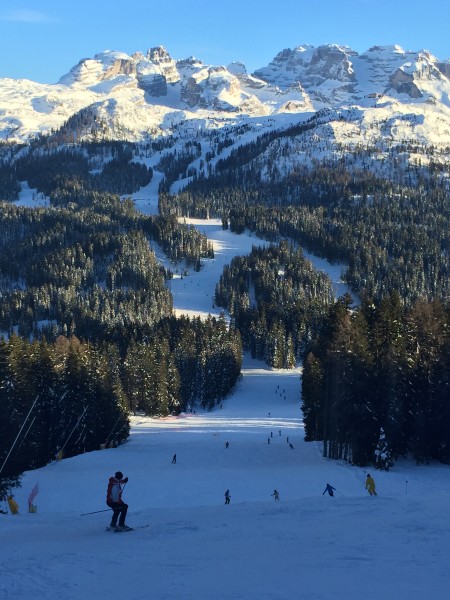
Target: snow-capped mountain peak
(150, 92)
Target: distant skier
(227, 444)
(329, 489)
(227, 497)
(12, 504)
(174, 459)
(114, 501)
(279, 432)
(276, 495)
(268, 440)
(370, 485)
(291, 446)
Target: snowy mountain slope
(136, 96)
(28, 108)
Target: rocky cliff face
(334, 74)
(120, 66)
(213, 88)
(310, 66)
(444, 68)
(154, 84)
(403, 83)
(160, 58)
(327, 75)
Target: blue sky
(43, 40)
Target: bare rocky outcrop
(403, 83)
(212, 87)
(159, 57)
(120, 66)
(444, 68)
(154, 84)
(331, 62)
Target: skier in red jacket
(114, 501)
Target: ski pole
(95, 512)
(340, 492)
(104, 510)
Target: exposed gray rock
(403, 83)
(121, 66)
(161, 58)
(154, 84)
(205, 88)
(191, 93)
(330, 62)
(444, 68)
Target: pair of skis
(119, 530)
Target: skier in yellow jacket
(370, 485)
(13, 506)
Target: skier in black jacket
(329, 489)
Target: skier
(227, 444)
(291, 446)
(114, 501)
(370, 485)
(174, 459)
(329, 489)
(227, 497)
(276, 495)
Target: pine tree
(428, 331)
(391, 370)
(74, 397)
(9, 427)
(383, 458)
(313, 397)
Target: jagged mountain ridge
(140, 95)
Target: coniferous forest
(276, 300)
(376, 382)
(89, 335)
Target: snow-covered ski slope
(307, 546)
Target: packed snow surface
(188, 545)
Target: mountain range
(385, 93)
